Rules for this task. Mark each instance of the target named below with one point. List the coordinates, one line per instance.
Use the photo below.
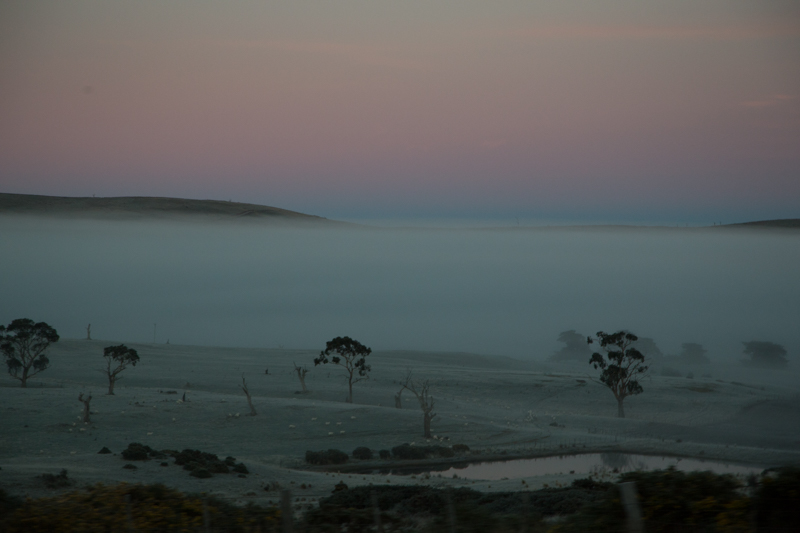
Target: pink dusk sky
(599, 111)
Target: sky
(634, 111)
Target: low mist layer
(500, 291)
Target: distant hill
(146, 207)
(777, 223)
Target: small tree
(249, 398)
(117, 359)
(23, 343)
(85, 400)
(765, 354)
(351, 355)
(624, 366)
(301, 375)
(421, 390)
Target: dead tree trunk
(89, 332)
(86, 410)
(398, 402)
(421, 390)
(249, 399)
(301, 375)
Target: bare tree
(119, 357)
(249, 398)
(301, 375)
(421, 389)
(398, 401)
(85, 400)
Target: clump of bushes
(56, 481)
(326, 457)
(139, 452)
(406, 451)
(385, 454)
(671, 500)
(152, 508)
(196, 462)
(363, 453)
(460, 448)
(199, 464)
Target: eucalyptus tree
(621, 367)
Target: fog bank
(495, 291)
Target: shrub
(363, 453)
(201, 473)
(151, 508)
(460, 448)
(777, 501)
(329, 457)
(139, 452)
(130, 467)
(56, 481)
(671, 500)
(195, 459)
(104, 450)
(240, 468)
(385, 454)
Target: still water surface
(591, 463)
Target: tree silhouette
(765, 354)
(350, 355)
(117, 359)
(23, 343)
(624, 365)
(421, 390)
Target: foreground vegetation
(670, 500)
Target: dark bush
(202, 473)
(777, 501)
(139, 452)
(230, 461)
(56, 481)
(194, 459)
(240, 469)
(385, 454)
(460, 448)
(406, 452)
(104, 450)
(363, 453)
(153, 508)
(130, 467)
(671, 501)
(326, 457)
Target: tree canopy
(349, 354)
(765, 354)
(621, 367)
(118, 358)
(23, 343)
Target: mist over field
(493, 291)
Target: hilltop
(147, 207)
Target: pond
(596, 464)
